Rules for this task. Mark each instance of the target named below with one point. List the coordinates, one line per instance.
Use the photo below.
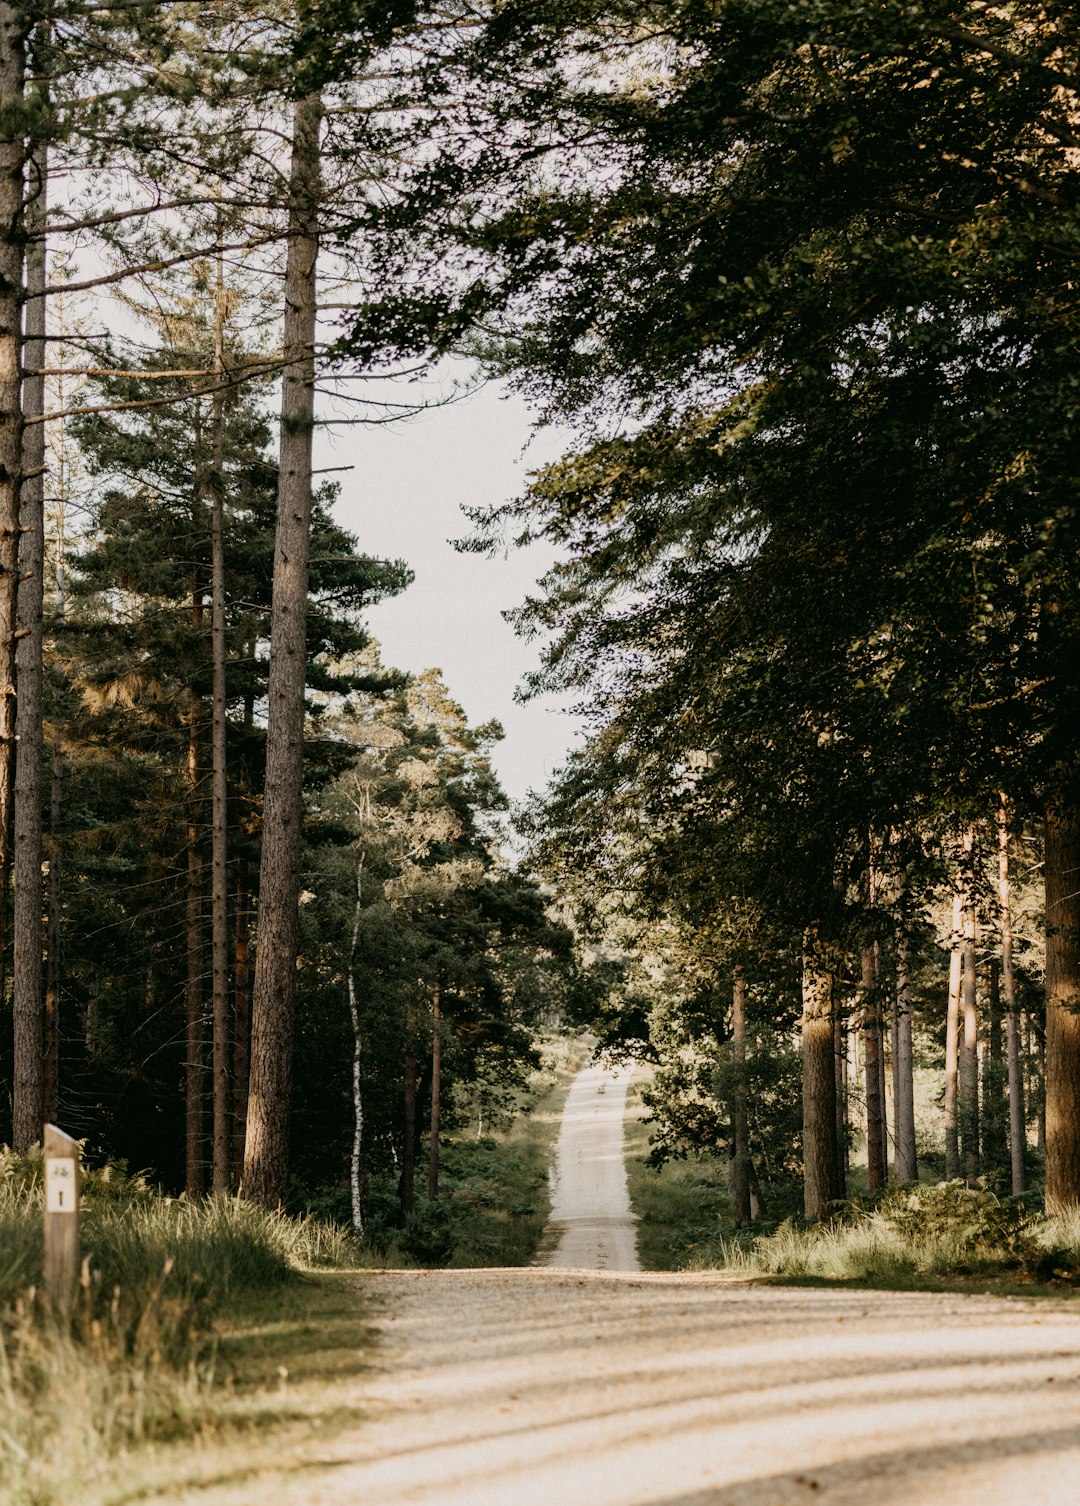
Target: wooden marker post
(61, 1216)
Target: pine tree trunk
(993, 1119)
(195, 1067)
(819, 1086)
(26, 1101)
(219, 881)
(952, 1037)
(407, 1181)
(1017, 1119)
(968, 1078)
(241, 1015)
(436, 1096)
(52, 967)
(740, 1116)
(1062, 1079)
(907, 1166)
(267, 1151)
(356, 1167)
(876, 1165)
(840, 1064)
(29, 1104)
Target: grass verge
(149, 1356)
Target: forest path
(547, 1387)
(590, 1204)
(573, 1387)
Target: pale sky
(404, 499)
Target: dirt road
(561, 1387)
(590, 1206)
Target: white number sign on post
(61, 1215)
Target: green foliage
(944, 1230)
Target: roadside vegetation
(197, 1321)
(494, 1195)
(157, 1338)
(931, 1233)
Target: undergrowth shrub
(948, 1229)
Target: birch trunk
(219, 890)
(30, 1052)
(952, 1037)
(1017, 1120)
(1062, 878)
(907, 1167)
(26, 1087)
(819, 1086)
(741, 1165)
(267, 1149)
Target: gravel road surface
(590, 1206)
(563, 1387)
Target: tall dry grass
(947, 1230)
(135, 1359)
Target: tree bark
(952, 1037)
(356, 1165)
(436, 1095)
(993, 1117)
(741, 1164)
(407, 1181)
(907, 1166)
(219, 882)
(53, 940)
(242, 970)
(876, 1164)
(819, 1085)
(968, 1083)
(195, 1066)
(29, 1106)
(840, 1065)
(1062, 879)
(26, 1087)
(267, 1150)
(241, 1015)
(1017, 1120)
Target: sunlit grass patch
(140, 1359)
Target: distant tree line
(801, 280)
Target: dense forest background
(801, 281)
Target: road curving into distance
(580, 1385)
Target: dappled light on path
(558, 1388)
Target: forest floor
(619, 1388)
